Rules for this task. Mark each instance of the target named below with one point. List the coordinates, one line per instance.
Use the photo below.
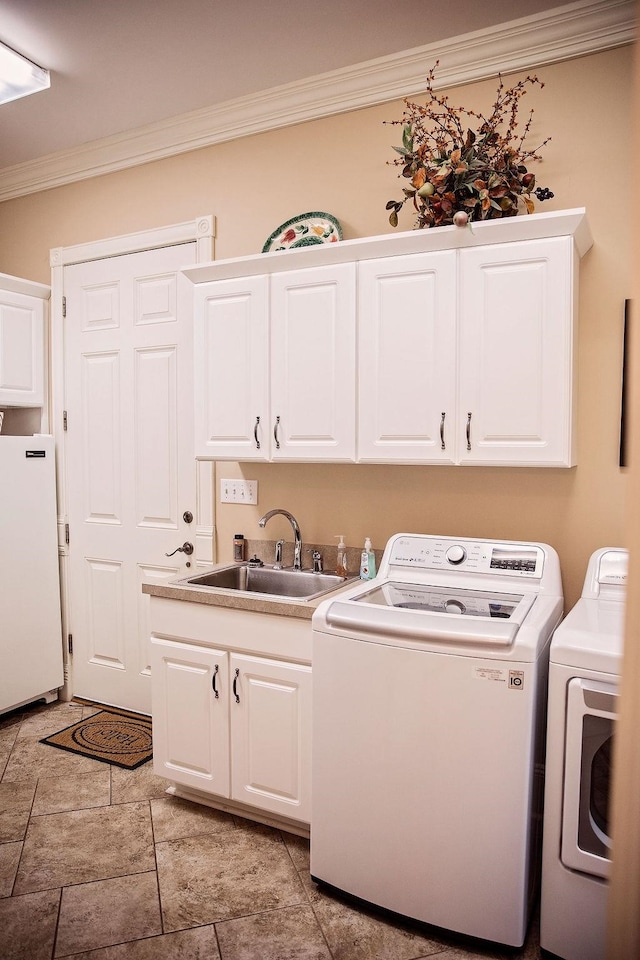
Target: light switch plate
(239, 491)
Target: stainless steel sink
(289, 584)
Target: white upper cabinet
(407, 358)
(516, 354)
(464, 351)
(313, 357)
(22, 342)
(231, 369)
(275, 366)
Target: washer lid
(451, 601)
(591, 636)
(425, 612)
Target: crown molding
(573, 30)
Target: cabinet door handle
(443, 445)
(468, 431)
(255, 433)
(235, 685)
(275, 432)
(213, 682)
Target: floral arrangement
(457, 175)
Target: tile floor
(99, 863)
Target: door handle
(443, 445)
(468, 431)
(235, 685)
(213, 681)
(275, 433)
(185, 548)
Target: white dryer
(584, 670)
(429, 684)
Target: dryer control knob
(456, 554)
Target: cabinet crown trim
(535, 226)
(30, 288)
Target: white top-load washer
(429, 685)
(585, 666)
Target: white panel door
(231, 329)
(21, 350)
(313, 342)
(271, 735)
(129, 458)
(407, 349)
(516, 353)
(191, 715)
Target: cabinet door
(516, 353)
(231, 338)
(407, 349)
(190, 691)
(271, 735)
(21, 350)
(313, 364)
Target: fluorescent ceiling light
(18, 76)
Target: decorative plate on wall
(305, 230)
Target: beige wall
(339, 164)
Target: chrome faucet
(297, 549)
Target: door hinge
(64, 306)
(66, 533)
(64, 420)
(70, 642)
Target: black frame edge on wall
(624, 420)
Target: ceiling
(119, 65)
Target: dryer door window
(591, 714)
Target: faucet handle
(278, 560)
(317, 561)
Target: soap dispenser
(367, 562)
(341, 562)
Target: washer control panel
(477, 556)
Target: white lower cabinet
(190, 717)
(271, 735)
(234, 726)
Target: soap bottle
(341, 562)
(238, 547)
(367, 562)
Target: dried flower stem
(480, 172)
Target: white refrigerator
(30, 624)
